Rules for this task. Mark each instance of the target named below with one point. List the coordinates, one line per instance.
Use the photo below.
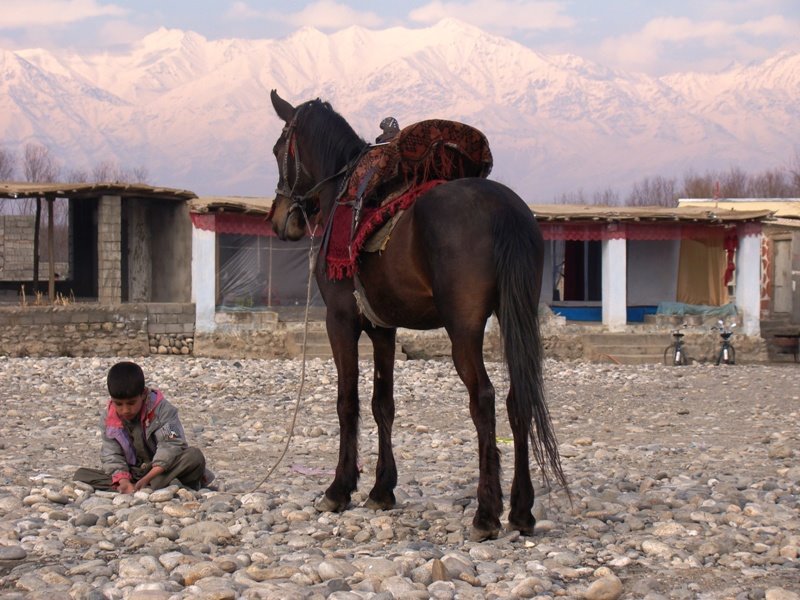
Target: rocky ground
(685, 484)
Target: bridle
(299, 200)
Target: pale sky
(652, 36)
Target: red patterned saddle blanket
(389, 177)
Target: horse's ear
(284, 110)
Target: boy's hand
(145, 481)
(125, 486)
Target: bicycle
(727, 353)
(675, 354)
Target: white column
(748, 281)
(615, 285)
(204, 276)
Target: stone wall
(97, 330)
(170, 327)
(245, 334)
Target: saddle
(432, 149)
(389, 177)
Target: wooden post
(36, 223)
(51, 288)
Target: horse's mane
(335, 141)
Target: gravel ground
(685, 485)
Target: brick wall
(16, 251)
(96, 330)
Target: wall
(96, 330)
(16, 251)
(171, 250)
(652, 271)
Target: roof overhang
(14, 190)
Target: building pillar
(109, 250)
(615, 284)
(140, 262)
(748, 278)
(204, 277)
(795, 277)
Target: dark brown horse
(464, 250)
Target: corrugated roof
(77, 190)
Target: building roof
(781, 207)
(90, 190)
(544, 212)
(686, 214)
(239, 204)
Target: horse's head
(313, 151)
(291, 207)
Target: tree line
(38, 165)
(734, 182)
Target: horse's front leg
(343, 336)
(383, 342)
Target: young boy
(143, 439)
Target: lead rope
(311, 265)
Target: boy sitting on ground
(143, 440)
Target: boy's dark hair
(125, 380)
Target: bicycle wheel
(669, 355)
(670, 358)
(731, 356)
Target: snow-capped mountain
(196, 113)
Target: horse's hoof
(480, 535)
(325, 504)
(378, 505)
(526, 530)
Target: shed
(127, 242)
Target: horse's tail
(518, 257)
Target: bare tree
(773, 183)
(698, 186)
(572, 198)
(607, 197)
(794, 174)
(110, 171)
(733, 184)
(8, 164)
(140, 175)
(76, 176)
(653, 191)
(39, 165)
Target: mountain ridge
(196, 112)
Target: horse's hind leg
(468, 360)
(522, 496)
(382, 494)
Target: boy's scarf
(115, 429)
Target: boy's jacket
(163, 437)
